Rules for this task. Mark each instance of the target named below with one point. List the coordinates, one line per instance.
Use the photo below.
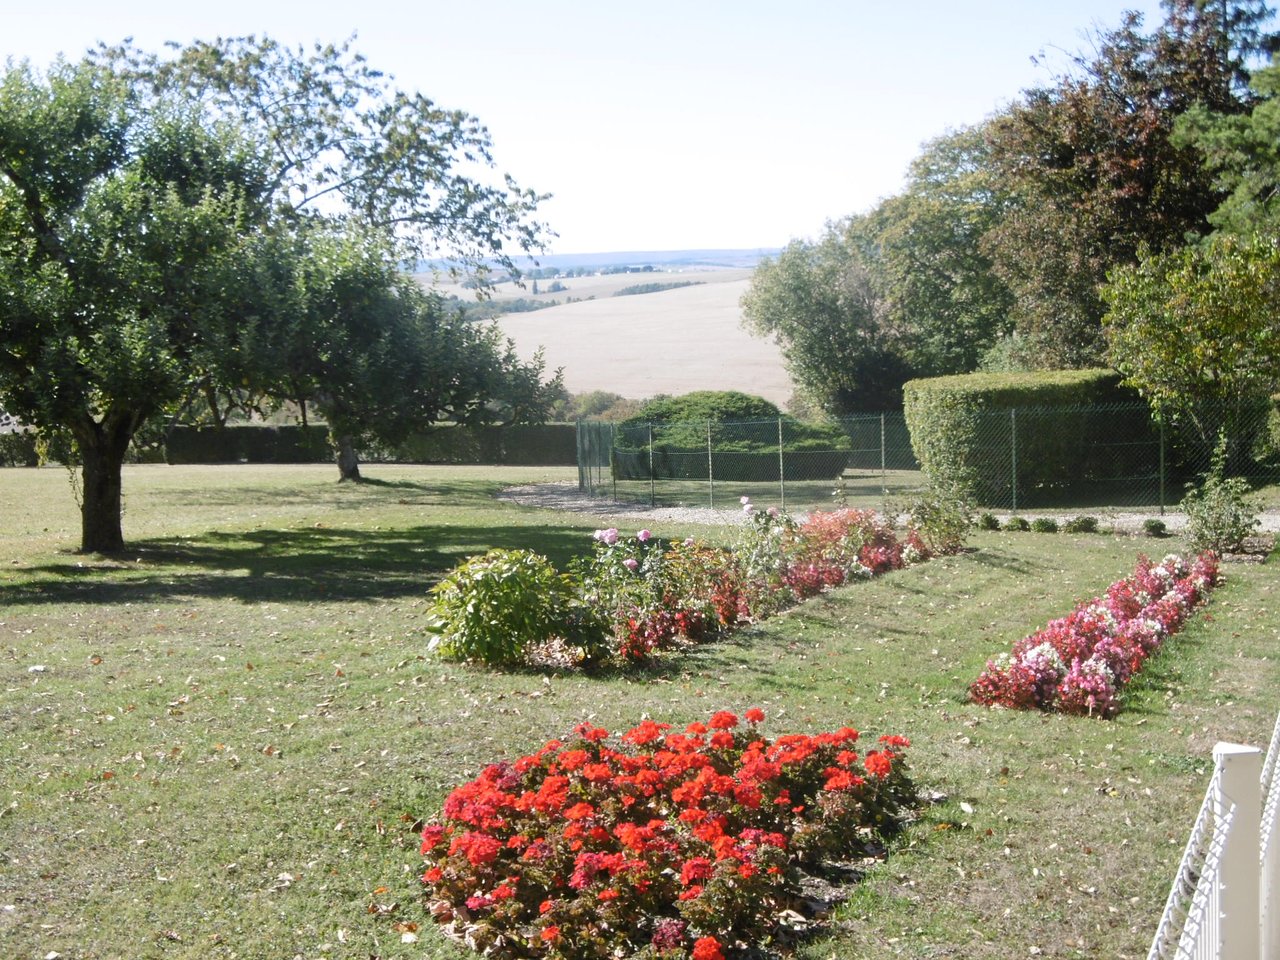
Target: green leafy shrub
(1081, 525)
(497, 606)
(941, 515)
(1154, 527)
(1219, 512)
(1044, 525)
(1019, 524)
(988, 521)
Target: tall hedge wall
(982, 430)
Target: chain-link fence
(1016, 459)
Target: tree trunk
(348, 460)
(102, 449)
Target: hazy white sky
(661, 125)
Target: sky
(699, 124)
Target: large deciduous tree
(821, 304)
(940, 293)
(135, 192)
(1096, 173)
(117, 233)
(352, 337)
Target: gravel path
(566, 496)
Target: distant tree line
(1123, 214)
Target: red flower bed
(1079, 663)
(680, 844)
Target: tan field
(669, 342)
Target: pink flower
(607, 537)
(772, 511)
(631, 564)
(643, 536)
(744, 500)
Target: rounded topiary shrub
(727, 435)
(1044, 525)
(1018, 524)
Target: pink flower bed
(1079, 663)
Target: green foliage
(256, 443)
(1017, 524)
(988, 521)
(1154, 527)
(1095, 172)
(952, 421)
(703, 405)
(942, 515)
(18, 449)
(820, 303)
(1220, 513)
(154, 210)
(1242, 150)
(595, 405)
(497, 606)
(743, 432)
(1200, 323)
(1044, 525)
(925, 250)
(1081, 525)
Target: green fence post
(782, 469)
(884, 477)
(1013, 451)
(651, 490)
(613, 445)
(1162, 468)
(711, 479)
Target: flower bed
(634, 595)
(660, 844)
(1079, 663)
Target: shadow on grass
(325, 563)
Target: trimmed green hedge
(982, 429)
(526, 445)
(553, 444)
(18, 450)
(249, 443)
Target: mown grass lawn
(217, 744)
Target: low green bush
(1153, 527)
(1044, 525)
(988, 521)
(1081, 525)
(497, 606)
(1019, 524)
(1219, 512)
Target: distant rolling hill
(672, 341)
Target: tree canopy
(997, 251)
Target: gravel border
(566, 496)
